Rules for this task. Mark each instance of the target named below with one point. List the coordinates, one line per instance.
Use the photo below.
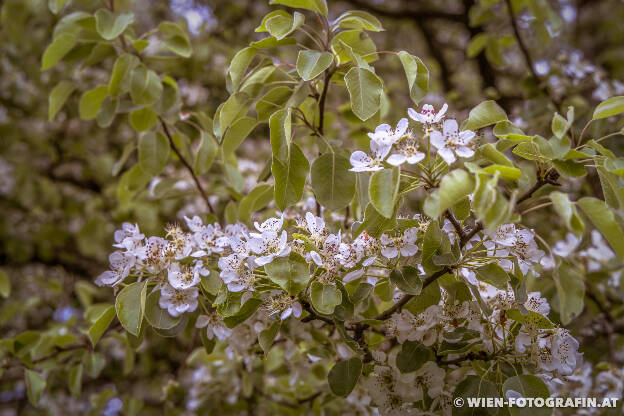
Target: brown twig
(527, 56)
(187, 165)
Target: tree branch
(187, 165)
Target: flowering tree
(385, 260)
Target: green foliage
(344, 375)
(333, 184)
(365, 89)
(383, 191)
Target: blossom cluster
(400, 145)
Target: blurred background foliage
(59, 197)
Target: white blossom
(427, 114)
(451, 142)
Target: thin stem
(187, 165)
(527, 55)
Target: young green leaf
(290, 177)
(290, 273)
(91, 102)
(417, 76)
(60, 46)
(325, 298)
(603, 219)
(175, 39)
(319, 6)
(610, 107)
(412, 356)
(365, 89)
(311, 64)
(453, 188)
(153, 152)
(35, 385)
(143, 119)
(120, 78)
(129, 307)
(344, 376)
(407, 279)
(383, 191)
(58, 96)
(485, 114)
(100, 325)
(109, 25)
(332, 182)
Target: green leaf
(91, 102)
(527, 150)
(237, 133)
(477, 44)
(570, 290)
(485, 114)
(432, 241)
(570, 169)
(245, 311)
(365, 89)
(5, 284)
(272, 101)
(311, 64)
(156, 316)
(129, 307)
(283, 24)
(143, 119)
(610, 107)
(344, 376)
(239, 65)
(206, 153)
(567, 211)
(491, 153)
(35, 385)
(506, 172)
(280, 125)
(100, 325)
(332, 182)
(412, 356)
(603, 219)
(290, 177)
(60, 46)
(319, 6)
(175, 39)
(109, 25)
(383, 191)
(358, 43)
(107, 112)
(357, 19)
(528, 386)
(493, 274)
(56, 5)
(453, 188)
(58, 96)
(256, 199)
(417, 76)
(407, 279)
(325, 298)
(75, 380)
(120, 78)
(374, 223)
(290, 273)
(153, 152)
(559, 125)
(145, 86)
(267, 336)
(472, 387)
